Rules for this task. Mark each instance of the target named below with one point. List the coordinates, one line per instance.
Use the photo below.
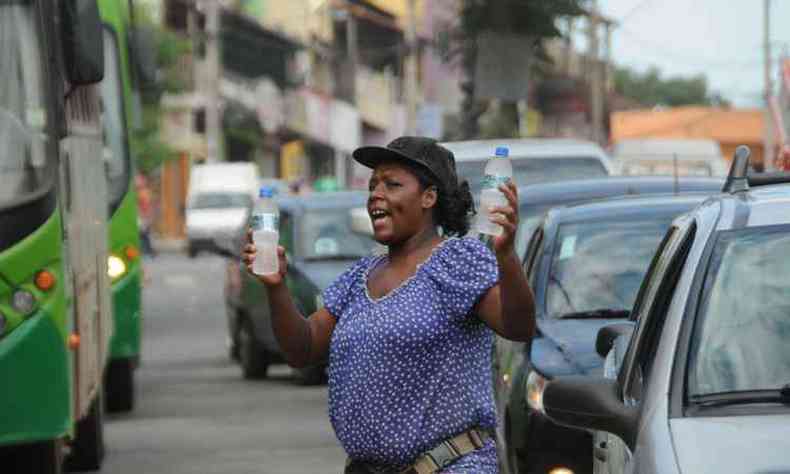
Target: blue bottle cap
(266, 192)
(502, 151)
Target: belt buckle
(442, 455)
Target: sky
(722, 39)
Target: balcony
(375, 97)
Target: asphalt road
(194, 413)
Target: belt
(441, 456)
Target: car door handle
(600, 451)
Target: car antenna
(737, 180)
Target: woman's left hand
(507, 217)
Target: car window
(651, 309)
(741, 340)
(535, 170)
(599, 265)
(327, 233)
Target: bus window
(116, 157)
(25, 167)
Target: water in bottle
(498, 171)
(265, 227)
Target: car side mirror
(143, 54)
(82, 41)
(609, 333)
(590, 403)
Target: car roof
(759, 206)
(324, 200)
(597, 188)
(476, 150)
(625, 206)
(652, 148)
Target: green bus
(118, 91)
(55, 302)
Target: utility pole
(768, 138)
(411, 70)
(213, 71)
(596, 84)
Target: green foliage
(650, 89)
(149, 148)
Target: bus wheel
(45, 457)
(87, 448)
(119, 386)
(254, 362)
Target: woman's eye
(393, 184)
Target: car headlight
(23, 301)
(535, 386)
(115, 266)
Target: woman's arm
(509, 307)
(304, 341)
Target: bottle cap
(266, 192)
(502, 151)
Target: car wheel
(254, 360)
(44, 457)
(119, 386)
(87, 450)
(315, 375)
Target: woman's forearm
(517, 300)
(290, 327)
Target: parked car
(536, 199)
(536, 160)
(321, 239)
(218, 199)
(698, 380)
(585, 264)
(669, 156)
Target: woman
(409, 334)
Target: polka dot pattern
(413, 368)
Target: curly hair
(454, 207)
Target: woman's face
(397, 205)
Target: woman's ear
(429, 197)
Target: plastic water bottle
(265, 225)
(498, 171)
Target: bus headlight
(115, 266)
(23, 301)
(535, 386)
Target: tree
(650, 89)
(535, 19)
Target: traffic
(534, 303)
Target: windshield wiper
(601, 313)
(744, 397)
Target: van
(682, 157)
(535, 160)
(219, 200)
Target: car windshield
(221, 200)
(600, 265)
(25, 165)
(116, 158)
(534, 170)
(327, 234)
(742, 336)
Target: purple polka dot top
(413, 368)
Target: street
(194, 412)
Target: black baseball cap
(421, 151)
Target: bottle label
(265, 221)
(492, 181)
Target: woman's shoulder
(463, 255)
(465, 247)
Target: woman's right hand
(248, 253)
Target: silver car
(699, 381)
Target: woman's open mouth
(378, 216)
